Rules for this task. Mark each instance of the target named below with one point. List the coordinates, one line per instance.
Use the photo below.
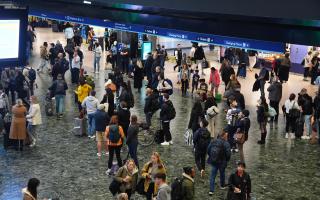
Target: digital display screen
(146, 48)
(9, 39)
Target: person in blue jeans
(97, 56)
(58, 88)
(132, 138)
(90, 103)
(219, 154)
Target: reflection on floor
(69, 169)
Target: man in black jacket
(124, 116)
(305, 102)
(148, 106)
(178, 55)
(166, 108)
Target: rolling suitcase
(79, 128)
(299, 127)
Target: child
(232, 119)
(203, 89)
(244, 126)
(195, 80)
(189, 61)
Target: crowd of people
(114, 126)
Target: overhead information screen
(9, 39)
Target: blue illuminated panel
(185, 35)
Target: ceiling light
(87, 2)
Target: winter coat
(91, 104)
(226, 149)
(209, 103)
(132, 134)
(146, 170)
(124, 118)
(138, 77)
(240, 99)
(34, 115)
(226, 73)
(18, 124)
(187, 187)
(243, 183)
(305, 101)
(275, 91)
(164, 110)
(20, 81)
(27, 195)
(195, 116)
(109, 98)
(201, 139)
(148, 104)
(123, 173)
(214, 78)
(83, 91)
(101, 119)
(58, 91)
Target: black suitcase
(299, 127)
(7, 142)
(159, 137)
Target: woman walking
(18, 125)
(132, 138)
(262, 109)
(115, 136)
(289, 105)
(34, 119)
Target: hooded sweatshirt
(91, 104)
(164, 192)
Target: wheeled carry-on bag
(79, 128)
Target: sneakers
(107, 153)
(99, 155)
(210, 193)
(165, 143)
(292, 136)
(202, 173)
(223, 187)
(108, 171)
(236, 150)
(287, 135)
(170, 142)
(305, 137)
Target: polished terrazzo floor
(69, 169)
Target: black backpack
(114, 135)
(155, 104)
(216, 153)
(204, 139)
(171, 111)
(32, 75)
(176, 189)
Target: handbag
(188, 137)
(140, 186)
(212, 111)
(294, 112)
(240, 137)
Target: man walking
(90, 103)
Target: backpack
(170, 91)
(32, 75)
(171, 111)
(130, 100)
(215, 153)
(204, 139)
(155, 104)
(176, 189)
(114, 135)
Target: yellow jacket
(83, 91)
(147, 170)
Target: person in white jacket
(34, 119)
